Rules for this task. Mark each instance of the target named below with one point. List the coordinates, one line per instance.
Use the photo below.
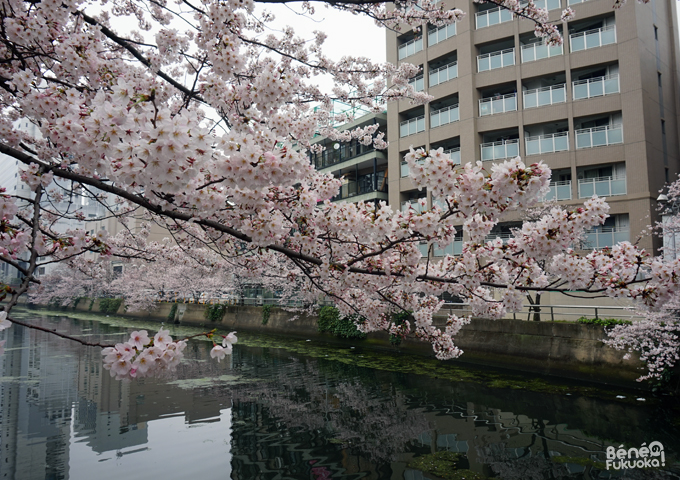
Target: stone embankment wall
(565, 349)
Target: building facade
(601, 110)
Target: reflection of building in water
(35, 408)
(56, 392)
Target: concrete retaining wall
(555, 348)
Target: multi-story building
(362, 168)
(601, 110)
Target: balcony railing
(414, 204)
(559, 191)
(498, 104)
(444, 116)
(601, 186)
(503, 236)
(366, 184)
(599, 136)
(455, 248)
(418, 83)
(547, 4)
(595, 87)
(440, 34)
(606, 237)
(491, 17)
(554, 142)
(443, 74)
(539, 97)
(491, 61)
(346, 152)
(592, 38)
(411, 127)
(410, 48)
(454, 153)
(500, 150)
(539, 51)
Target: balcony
(500, 150)
(602, 186)
(546, 4)
(411, 127)
(418, 83)
(540, 97)
(554, 142)
(445, 115)
(345, 152)
(498, 104)
(413, 204)
(503, 236)
(599, 136)
(539, 51)
(366, 184)
(410, 48)
(559, 191)
(492, 17)
(491, 61)
(443, 74)
(592, 38)
(455, 248)
(574, 2)
(454, 153)
(595, 87)
(602, 237)
(440, 34)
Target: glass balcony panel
(547, 145)
(498, 106)
(482, 21)
(544, 97)
(602, 188)
(580, 91)
(561, 143)
(554, 4)
(455, 156)
(559, 95)
(494, 17)
(599, 138)
(533, 147)
(454, 114)
(615, 135)
(564, 192)
(487, 153)
(404, 169)
(528, 54)
(583, 140)
(403, 130)
(621, 236)
(608, 36)
(434, 120)
(496, 61)
(434, 78)
(483, 64)
(611, 85)
(458, 247)
(590, 240)
(531, 100)
(593, 40)
(420, 125)
(512, 150)
(618, 186)
(511, 104)
(596, 89)
(577, 43)
(499, 152)
(509, 58)
(423, 247)
(541, 52)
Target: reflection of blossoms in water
(508, 464)
(348, 412)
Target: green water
(294, 409)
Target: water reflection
(270, 414)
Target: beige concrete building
(601, 110)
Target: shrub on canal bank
(343, 327)
(109, 305)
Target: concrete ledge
(569, 350)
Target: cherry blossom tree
(203, 119)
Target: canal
(295, 409)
